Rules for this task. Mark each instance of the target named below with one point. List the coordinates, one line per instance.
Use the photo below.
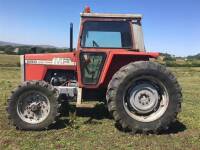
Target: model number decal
(54, 61)
(63, 61)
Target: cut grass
(93, 129)
(9, 60)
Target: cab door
(91, 66)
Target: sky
(171, 26)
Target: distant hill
(12, 48)
(167, 55)
(3, 43)
(197, 56)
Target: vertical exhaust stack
(71, 37)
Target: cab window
(106, 34)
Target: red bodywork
(38, 71)
(115, 59)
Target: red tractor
(109, 62)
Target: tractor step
(86, 105)
(80, 104)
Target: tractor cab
(103, 34)
(111, 31)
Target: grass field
(93, 129)
(9, 60)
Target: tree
(9, 50)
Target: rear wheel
(33, 105)
(144, 97)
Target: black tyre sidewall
(170, 109)
(125, 77)
(21, 92)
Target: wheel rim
(146, 99)
(33, 107)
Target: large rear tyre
(33, 105)
(144, 97)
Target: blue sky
(171, 26)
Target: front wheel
(144, 97)
(33, 105)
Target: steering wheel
(94, 43)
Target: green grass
(9, 60)
(93, 129)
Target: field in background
(93, 128)
(9, 60)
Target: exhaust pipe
(71, 37)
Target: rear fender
(116, 61)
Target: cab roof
(108, 15)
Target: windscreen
(106, 34)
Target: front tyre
(144, 97)
(33, 105)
